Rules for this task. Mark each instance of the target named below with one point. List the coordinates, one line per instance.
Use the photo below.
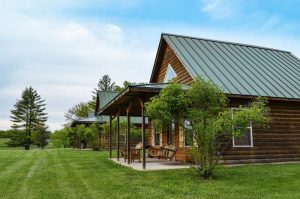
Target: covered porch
(153, 164)
(131, 103)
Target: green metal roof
(239, 69)
(106, 96)
(155, 86)
(105, 119)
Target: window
(156, 136)
(170, 132)
(170, 74)
(188, 136)
(245, 139)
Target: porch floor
(153, 164)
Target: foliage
(17, 138)
(28, 114)
(135, 132)
(125, 85)
(6, 134)
(169, 105)
(87, 136)
(61, 138)
(77, 111)
(80, 136)
(207, 117)
(40, 136)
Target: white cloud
(63, 60)
(220, 9)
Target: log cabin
(243, 72)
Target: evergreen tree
(28, 114)
(41, 136)
(104, 84)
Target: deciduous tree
(202, 111)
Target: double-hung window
(188, 136)
(156, 136)
(170, 133)
(245, 139)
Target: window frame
(171, 128)
(166, 78)
(251, 133)
(156, 132)
(184, 138)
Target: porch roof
(132, 95)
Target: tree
(28, 114)
(125, 85)
(104, 84)
(202, 111)
(77, 111)
(40, 136)
(61, 138)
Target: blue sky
(62, 48)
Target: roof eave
(156, 58)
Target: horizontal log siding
(280, 142)
(167, 56)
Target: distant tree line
(82, 109)
(94, 136)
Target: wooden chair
(135, 154)
(168, 152)
(155, 151)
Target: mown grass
(68, 173)
(4, 146)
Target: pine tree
(104, 84)
(40, 136)
(28, 114)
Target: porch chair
(168, 152)
(135, 154)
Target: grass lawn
(68, 173)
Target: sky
(62, 48)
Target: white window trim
(251, 134)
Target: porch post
(143, 133)
(110, 136)
(128, 133)
(118, 136)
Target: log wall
(280, 142)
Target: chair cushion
(139, 145)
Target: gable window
(245, 139)
(156, 136)
(170, 74)
(188, 136)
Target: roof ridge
(227, 42)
